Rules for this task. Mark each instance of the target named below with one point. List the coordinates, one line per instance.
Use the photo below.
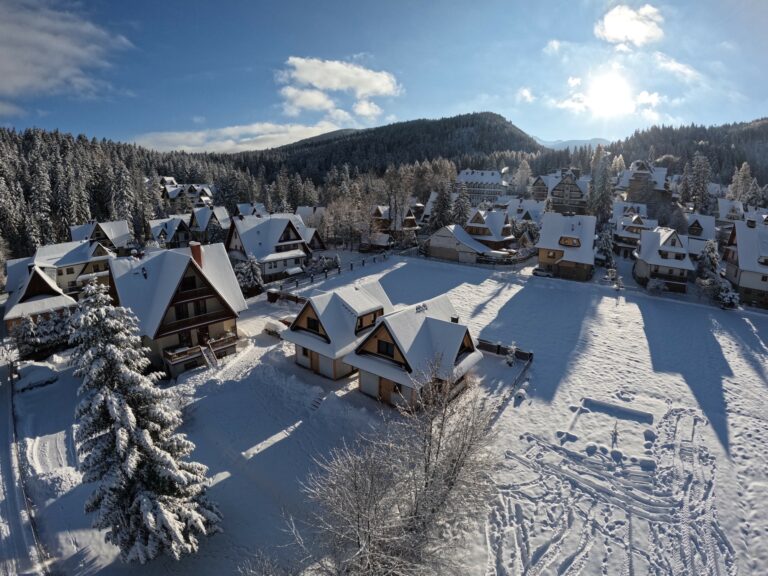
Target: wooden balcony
(194, 294)
(193, 322)
(190, 352)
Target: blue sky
(238, 75)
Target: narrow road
(16, 541)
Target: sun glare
(610, 95)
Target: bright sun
(610, 95)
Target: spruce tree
(249, 275)
(461, 207)
(24, 336)
(441, 211)
(700, 183)
(149, 497)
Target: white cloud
(574, 81)
(669, 64)
(524, 94)
(198, 119)
(298, 99)
(8, 109)
(651, 99)
(367, 109)
(340, 116)
(552, 47)
(333, 75)
(238, 138)
(45, 50)
(623, 25)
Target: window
(385, 348)
(297, 261)
(397, 388)
(764, 278)
(187, 283)
(59, 272)
(304, 352)
(568, 241)
(200, 307)
(185, 338)
(313, 324)
(551, 254)
(182, 311)
(70, 270)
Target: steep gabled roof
(652, 242)
(622, 209)
(202, 217)
(338, 312)
(730, 209)
(752, 246)
(260, 236)
(252, 209)
(22, 303)
(555, 226)
(147, 285)
(169, 226)
(425, 336)
(117, 231)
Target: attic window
(385, 348)
(751, 223)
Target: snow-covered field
(642, 446)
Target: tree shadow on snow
(547, 318)
(690, 349)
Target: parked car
(542, 272)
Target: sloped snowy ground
(642, 446)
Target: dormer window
(569, 241)
(313, 325)
(385, 348)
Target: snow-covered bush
(24, 336)
(249, 276)
(149, 497)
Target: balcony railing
(189, 352)
(194, 321)
(194, 294)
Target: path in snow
(15, 539)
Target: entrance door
(202, 335)
(386, 387)
(313, 360)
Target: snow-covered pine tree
(149, 497)
(461, 208)
(522, 175)
(685, 184)
(605, 246)
(249, 275)
(753, 196)
(24, 335)
(700, 183)
(441, 211)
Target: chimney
(455, 319)
(197, 252)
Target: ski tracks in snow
(563, 512)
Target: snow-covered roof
(308, 212)
(203, 214)
(519, 208)
(660, 239)
(260, 235)
(117, 231)
(20, 304)
(252, 209)
(469, 176)
(752, 247)
(464, 238)
(338, 312)
(730, 209)
(657, 174)
(621, 209)
(425, 335)
(630, 226)
(555, 227)
(493, 222)
(167, 226)
(147, 285)
(707, 224)
(554, 178)
(68, 254)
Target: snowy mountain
(563, 144)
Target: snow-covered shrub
(24, 336)
(149, 497)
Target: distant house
(332, 324)
(412, 344)
(483, 185)
(567, 190)
(252, 209)
(429, 207)
(276, 241)
(644, 183)
(627, 231)
(746, 262)
(398, 225)
(187, 301)
(453, 243)
(171, 232)
(701, 228)
(115, 235)
(662, 254)
(210, 224)
(526, 210)
(622, 209)
(567, 245)
(729, 211)
(33, 293)
(491, 228)
(179, 197)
